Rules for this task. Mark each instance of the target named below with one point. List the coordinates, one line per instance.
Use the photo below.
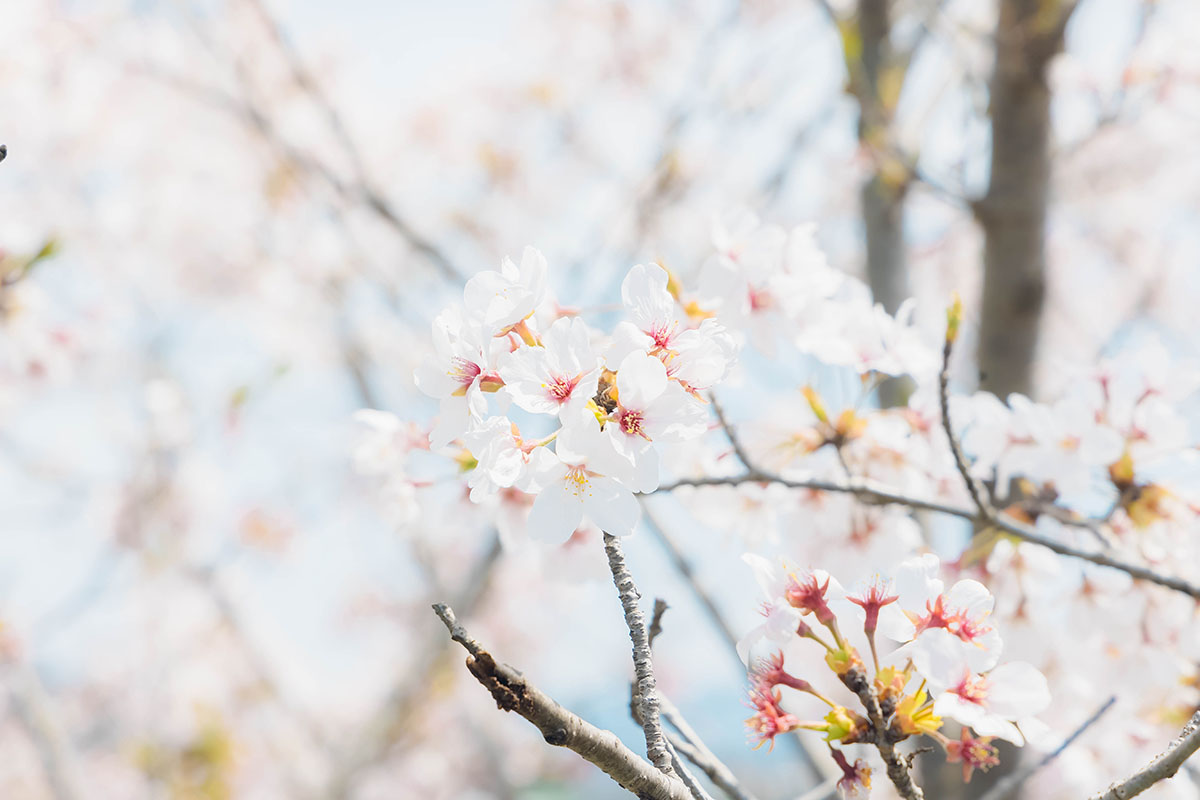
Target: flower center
(761, 300)
(973, 689)
(661, 334)
(578, 483)
(560, 388)
(631, 423)
(463, 371)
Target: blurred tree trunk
(875, 82)
(1013, 212)
(882, 197)
(1029, 33)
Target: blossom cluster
(611, 399)
(940, 659)
(555, 421)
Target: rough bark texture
(559, 726)
(643, 668)
(1013, 212)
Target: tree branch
(816, 763)
(560, 727)
(1013, 782)
(898, 767)
(974, 487)
(1161, 768)
(689, 744)
(32, 709)
(872, 492)
(406, 697)
(643, 667)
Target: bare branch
(560, 727)
(643, 666)
(660, 608)
(689, 780)
(872, 492)
(689, 744)
(976, 489)
(1011, 783)
(688, 573)
(819, 765)
(32, 709)
(1161, 768)
(406, 697)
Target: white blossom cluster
(1106, 465)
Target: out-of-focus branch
(30, 705)
(683, 740)
(1161, 768)
(643, 665)
(383, 730)
(817, 764)
(303, 78)
(560, 727)
(352, 191)
(869, 491)
(688, 573)
(1011, 783)
(692, 747)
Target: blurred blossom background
(226, 226)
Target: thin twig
(688, 573)
(1161, 768)
(817, 764)
(32, 709)
(872, 492)
(689, 780)
(974, 486)
(560, 727)
(822, 791)
(690, 745)
(412, 690)
(1011, 783)
(660, 608)
(643, 665)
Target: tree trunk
(1013, 212)
(882, 202)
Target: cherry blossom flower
(502, 458)
(781, 618)
(924, 606)
(650, 408)
(500, 300)
(457, 373)
(974, 753)
(855, 783)
(582, 479)
(558, 377)
(994, 703)
(654, 322)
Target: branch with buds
(869, 491)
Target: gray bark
(1013, 212)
